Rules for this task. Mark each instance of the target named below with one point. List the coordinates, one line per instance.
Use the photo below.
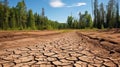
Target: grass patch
(90, 30)
(65, 31)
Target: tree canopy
(19, 18)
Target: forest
(20, 18)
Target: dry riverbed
(55, 49)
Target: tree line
(84, 21)
(104, 17)
(19, 18)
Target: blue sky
(58, 9)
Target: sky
(58, 10)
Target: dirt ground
(77, 48)
(108, 39)
(12, 39)
(14, 35)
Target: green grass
(90, 30)
(65, 30)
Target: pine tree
(117, 24)
(95, 13)
(111, 14)
(80, 19)
(22, 15)
(70, 21)
(1, 16)
(43, 12)
(31, 20)
(75, 24)
(6, 15)
(102, 15)
(37, 22)
(89, 21)
(12, 19)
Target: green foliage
(1, 16)
(70, 21)
(85, 21)
(31, 20)
(18, 18)
(106, 18)
(95, 13)
(22, 15)
(12, 20)
(102, 16)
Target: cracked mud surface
(71, 50)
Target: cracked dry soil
(71, 50)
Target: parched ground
(12, 39)
(55, 49)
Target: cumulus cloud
(59, 3)
(56, 3)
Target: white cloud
(56, 3)
(77, 4)
(81, 4)
(59, 3)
